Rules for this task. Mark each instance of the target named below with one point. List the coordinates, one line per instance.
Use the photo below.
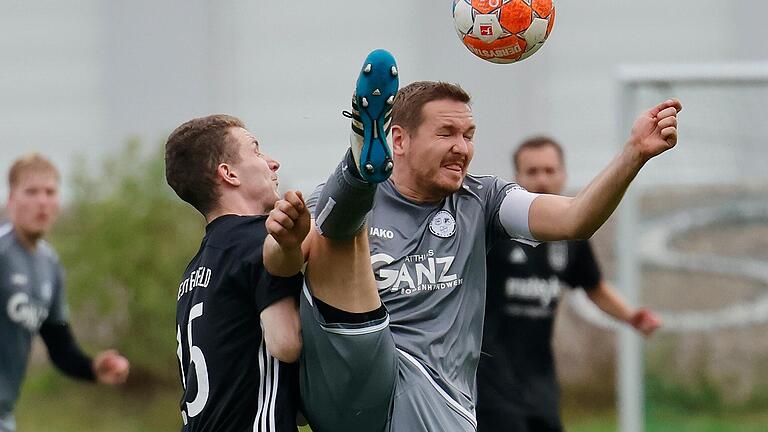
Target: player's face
(257, 171)
(540, 170)
(438, 154)
(33, 204)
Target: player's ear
(227, 174)
(400, 138)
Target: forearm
(65, 353)
(282, 330)
(595, 203)
(610, 302)
(279, 261)
(561, 218)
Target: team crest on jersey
(558, 256)
(443, 224)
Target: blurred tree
(125, 240)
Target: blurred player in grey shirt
(392, 313)
(32, 295)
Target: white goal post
(632, 79)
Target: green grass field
(670, 420)
(50, 402)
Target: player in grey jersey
(396, 348)
(32, 296)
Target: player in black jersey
(237, 326)
(517, 386)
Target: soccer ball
(503, 31)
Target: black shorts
(495, 421)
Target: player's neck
(27, 240)
(236, 206)
(412, 192)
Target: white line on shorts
(455, 405)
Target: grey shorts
(354, 379)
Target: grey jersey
(31, 292)
(429, 265)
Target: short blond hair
(31, 163)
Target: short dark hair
(536, 142)
(407, 112)
(193, 153)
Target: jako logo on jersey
(26, 313)
(431, 273)
(443, 224)
(381, 233)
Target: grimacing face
(257, 171)
(33, 203)
(435, 158)
(540, 170)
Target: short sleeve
(270, 289)
(584, 270)
(314, 197)
(507, 205)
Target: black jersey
(230, 381)
(516, 374)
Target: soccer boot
(371, 115)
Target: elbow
(286, 349)
(581, 231)
(594, 295)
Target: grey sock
(344, 202)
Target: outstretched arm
(110, 367)
(64, 351)
(107, 367)
(553, 217)
(610, 302)
(288, 224)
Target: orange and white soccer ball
(503, 31)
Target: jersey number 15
(197, 358)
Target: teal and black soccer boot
(371, 114)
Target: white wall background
(81, 77)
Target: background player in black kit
(237, 326)
(517, 386)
